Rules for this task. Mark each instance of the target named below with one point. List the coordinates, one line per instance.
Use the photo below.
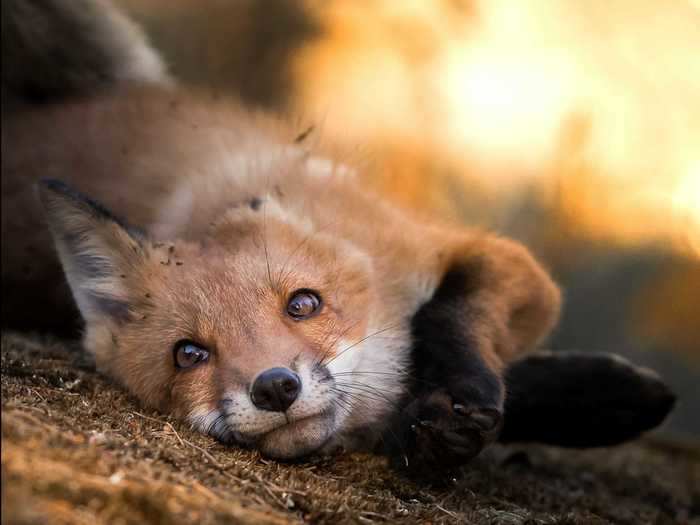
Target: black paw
(576, 399)
(456, 400)
(441, 432)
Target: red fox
(229, 274)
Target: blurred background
(572, 126)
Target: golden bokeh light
(492, 86)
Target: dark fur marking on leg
(577, 399)
(454, 407)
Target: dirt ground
(76, 449)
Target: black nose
(275, 389)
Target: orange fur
(217, 271)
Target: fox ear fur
(97, 251)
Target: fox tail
(56, 49)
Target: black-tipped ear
(97, 250)
(578, 399)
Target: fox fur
(177, 216)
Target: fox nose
(275, 389)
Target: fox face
(246, 333)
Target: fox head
(244, 332)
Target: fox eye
(303, 304)
(187, 354)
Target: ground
(76, 449)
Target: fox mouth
(294, 439)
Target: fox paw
(444, 431)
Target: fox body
(230, 220)
(247, 282)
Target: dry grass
(76, 449)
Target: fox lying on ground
(253, 287)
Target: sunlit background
(573, 126)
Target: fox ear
(97, 251)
